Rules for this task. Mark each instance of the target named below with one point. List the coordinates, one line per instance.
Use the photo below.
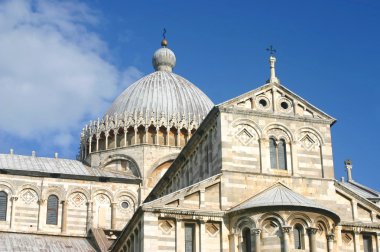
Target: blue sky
(327, 52)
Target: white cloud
(54, 71)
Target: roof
(162, 92)
(40, 166)
(30, 242)
(362, 190)
(279, 195)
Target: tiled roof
(42, 165)
(17, 242)
(278, 195)
(362, 190)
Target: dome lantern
(164, 59)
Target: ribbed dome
(165, 93)
(162, 93)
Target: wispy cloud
(54, 71)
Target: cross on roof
(271, 50)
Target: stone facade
(227, 191)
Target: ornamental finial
(164, 42)
(272, 61)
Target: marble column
(90, 145)
(113, 215)
(97, 142)
(115, 134)
(125, 136)
(377, 237)
(256, 237)
(107, 135)
(13, 211)
(89, 215)
(64, 216)
(202, 236)
(312, 239)
(330, 242)
(41, 210)
(285, 233)
(234, 242)
(136, 135)
(357, 241)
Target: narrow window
(52, 210)
(189, 237)
(281, 155)
(3, 205)
(277, 154)
(273, 153)
(367, 240)
(247, 240)
(297, 233)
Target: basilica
(164, 169)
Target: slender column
(180, 236)
(125, 136)
(85, 150)
(136, 134)
(293, 154)
(285, 232)
(64, 216)
(113, 215)
(234, 242)
(107, 135)
(41, 208)
(115, 134)
(356, 241)
(156, 137)
(264, 155)
(89, 215)
(202, 236)
(13, 213)
(97, 142)
(377, 236)
(89, 145)
(313, 245)
(330, 242)
(256, 237)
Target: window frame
(50, 210)
(5, 195)
(193, 237)
(274, 154)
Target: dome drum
(161, 108)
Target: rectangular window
(367, 240)
(189, 237)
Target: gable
(275, 99)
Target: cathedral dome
(162, 93)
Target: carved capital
(256, 231)
(14, 198)
(41, 201)
(330, 237)
(286, 230)
(312, 231)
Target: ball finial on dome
(164, 58)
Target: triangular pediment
(273, 98)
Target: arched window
(3, 205)
(297, 233)
(277, 154)
(247, 240)
(52, 210)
